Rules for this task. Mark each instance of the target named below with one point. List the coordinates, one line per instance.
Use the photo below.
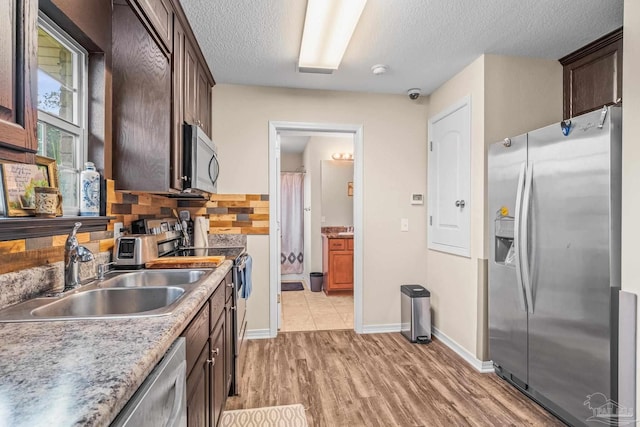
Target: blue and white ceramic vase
(89, 190)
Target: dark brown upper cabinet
(141, 105)
(160, 15)
(177, 113)
(18, 80)
(160, 82)
(592, 75)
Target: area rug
(292, 286)
(271, 416)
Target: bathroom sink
(122, 294)
(110, 302)
(345, 233)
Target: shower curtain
(292, 199)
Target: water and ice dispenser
(504, 249)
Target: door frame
(274, 221)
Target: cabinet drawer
(337, 244)
(197, 334)
(217, 305)
(349, 244)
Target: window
(62, 107)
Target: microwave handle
(214, 179)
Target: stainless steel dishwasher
(161, 400)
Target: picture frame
(350, 188)
(19, 181)
(50, 165)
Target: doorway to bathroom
(316, 223)
(316, 189)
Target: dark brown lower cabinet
(208, 379)
(228, 348)
(218, 378)
(198, 389)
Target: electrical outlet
(116, 230)
(404, 224)
(323, 219)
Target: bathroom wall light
(328, 27)
(342, 156)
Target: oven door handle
(241, 263)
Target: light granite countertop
(83, 372)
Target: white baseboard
(257, 334)
(381, 329)
(484, 367)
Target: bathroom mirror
(337, 204)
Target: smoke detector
(379, 69)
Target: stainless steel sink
(143, 278)
(143, 293)
(114, 301)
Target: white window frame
(78, 126)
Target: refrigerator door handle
(516, 236)
(524, 248)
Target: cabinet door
(142, 106)
(229, 358)
(18, 74)
(198, 390)
(190, 83)
(160, 15)
(593, 75)
(341, 268)
(178, 82)
(218, 379)
(204, 101)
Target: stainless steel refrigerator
(554, 271)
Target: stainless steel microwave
(200, 167)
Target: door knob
(460, 203)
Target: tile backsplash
(232, 213)
(229, 214)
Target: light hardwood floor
(346, 379)
(315, 311)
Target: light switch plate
(404, 224)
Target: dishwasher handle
(178, 400)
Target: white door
(449, 179)
(279, 230)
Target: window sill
(29, 227)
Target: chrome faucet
(73, 254)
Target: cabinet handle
(209, 362)
(460, 203)
(230, 285)
(215, 351)
(184, 178)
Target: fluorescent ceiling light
(328, 27)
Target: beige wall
(509, 96)
(291, 162)
(453, 279)
(318, 150)
(395, 159)
(631, 156)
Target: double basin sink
(142, 293)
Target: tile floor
(315, 311)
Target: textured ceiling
(424, 42)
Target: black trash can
(316, 281)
